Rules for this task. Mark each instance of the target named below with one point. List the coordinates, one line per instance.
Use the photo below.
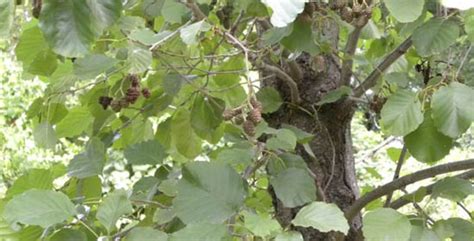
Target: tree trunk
(332, 146)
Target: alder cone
(256, 104)
(116, 106)
(239, 120)
(105, 101)
(346, 14)
(132, 95)
(135, 81)
(146, 93)
(255, 115)
(228, 114)
(249, 128)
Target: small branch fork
(390, 187)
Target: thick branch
(349, 52)
(360, 203)
(371, 80)
(406, 199)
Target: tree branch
(349, 52)
(371, 80)
(405, 199)
(198, 14)
(360, 203)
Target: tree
(233, 105)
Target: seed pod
(228, 114)
(116, 106)
(255, 116)
(256, 104)
(357, 10)
(146, 93)
(134, 80)
(239, 120)
(132, 95)
(339, 4)
(346, 14)
(249, 128)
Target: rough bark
(334, 163)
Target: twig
(371, 80)
(197, 13)
(295, 93)
(461, 205)
(360, 203)
(463, 61)
(396, 175)
(349, 52)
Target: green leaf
(434, 145)
(435, 36)
(451, 112)
(45, 136)
(423, 234)
(34, 179)
(31, 43)
(172, 84)
(149, 152)
(301, 136)
(323, 217)
(386, 224)
(89, 188)
(405, 11)
(75, 122)
(294, 187)
(115, 205)
(275, 35)
(139, 60)
(469, 25)
(270, 99)
(262, 226)
(454, 189)
(89, 163)
(463, 229)
(173, 11)
(91, 66)
(39, 207)
(146, 234)
(284, 11)
(7, 13)
(183, 137)
(71, 26)
(152, 8)
(289, 236)
(284, 140)
(443, 229)
(206, 115)
(208, 192)
(401, 114)
(44, 64)
(148, 37)
(394, 154)
(301, 39)
(189, 34)
(68, 235)
(200, 231)
(335, 95)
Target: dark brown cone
(255, 115)
(249, 128)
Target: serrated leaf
(323, 217)
(75, 122)
(139, 60)
(270, 99)
(451, 112)
(7, 13)
(434, 145)
(90, 162)
(173, 11)
(294, 187)
(454, 189)
(401, 114)
(149, 152)
(423, 234)
(146, 234)
(301, 39)
(91, 66)
(39, 207)
(262, 226)
(208, 192)
(284, 140)
(148, 37)
(405, 11)
(31, 43)
(190, 33)
(435, 36)
(114, 206)
(183, 137)
(206, 115)
(301, 136)
(71, 26)
(33, 179)
(284, 11)
(386, 224)
(200, 231)
(45, 136)
(275, 35)
(463, 229)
